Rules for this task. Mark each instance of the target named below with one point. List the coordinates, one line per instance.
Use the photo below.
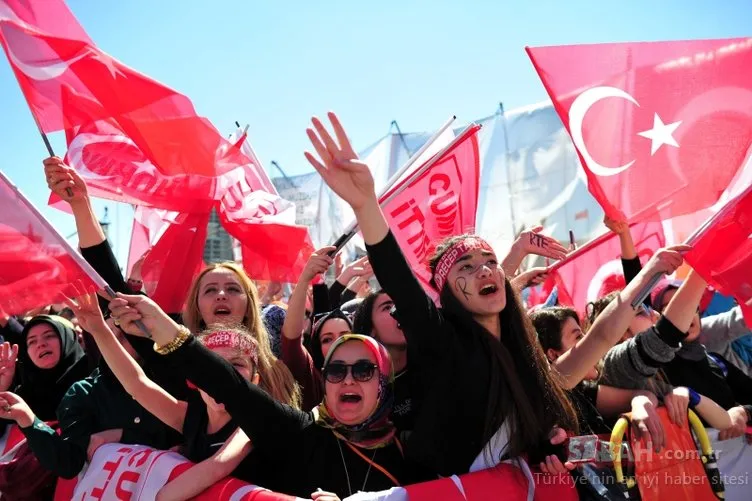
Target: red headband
(453, 254)
(229, 339)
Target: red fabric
(175, 260)
(595, 268)
(12, 437)
(142, 137)
(37, 265)
(488, 484)
(440, 203)
(124, 160)
(722, 252)
(674, 473)
(540, 293)
(272, 248)
(607, 94)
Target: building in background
(219, 245)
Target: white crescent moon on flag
(75, 152)
(606, 270)
(577, 112)
(50, 70)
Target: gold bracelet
(177, 341)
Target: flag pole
(385, 196)
(77, 257)
(48, 146)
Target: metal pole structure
(402, 137)
(48, 146)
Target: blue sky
(274, 64)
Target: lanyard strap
(374, 464)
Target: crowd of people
(346, 389)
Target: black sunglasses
(361, 371)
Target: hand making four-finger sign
(338, 164)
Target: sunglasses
(361, 371)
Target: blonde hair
(276, 378)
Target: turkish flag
(439, 203)
(722, 251)
(115, 166)
(37, 265)
(660, 127)
(69, 83)
(595, 269)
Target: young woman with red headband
(487, 393)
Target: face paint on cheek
(461, 285)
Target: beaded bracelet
(177, 341)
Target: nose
(221, 294)
(348, 378)
(484, 270)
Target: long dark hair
(548, 323)
(363, 318)
(523, 391)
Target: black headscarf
(43, 389)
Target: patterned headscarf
(376, 431)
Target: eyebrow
(34, 336)
(466, 257)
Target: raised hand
(13, 407)
(86, 309)
(338, 164)
(8, 357)
(61, 178)
(533, 242)
(667, 260)
(357, 268)
(127, 309)
(618, 226)
(318, 263)
(529, 278)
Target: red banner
(441, 202)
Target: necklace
(347, 474)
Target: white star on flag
(660, 134)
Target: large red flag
(722, 251)
(69, 83)
(595, 269)
(37, 265)
(660, 127)
(115, 164)
(441, 202)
